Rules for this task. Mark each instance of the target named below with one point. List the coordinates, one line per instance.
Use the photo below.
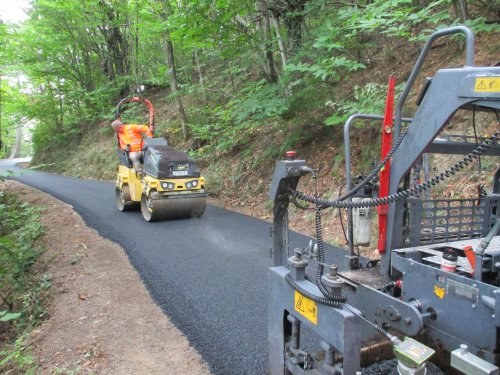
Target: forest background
(234, 82)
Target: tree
(265, 26)
(292, 13)
(81, 57)
(172, 73)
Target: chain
(307, 360)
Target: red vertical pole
(385, 173)
(151, 115)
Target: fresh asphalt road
(209, 275)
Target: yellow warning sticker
(438, 291)
(306, 307)
(487, 84)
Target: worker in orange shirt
(130, 138)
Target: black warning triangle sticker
(481, 86)
(299, 305)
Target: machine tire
(147, 209)
(123, 200)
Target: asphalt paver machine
(170, 186)
(436, 286)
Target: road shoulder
(102, 319)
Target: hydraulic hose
(375, 171)
(383, 332)
(321, 260)
(325, 301)
(321, 248)
(331, 299)
(339, 305)
(416, 190)
(337, 301)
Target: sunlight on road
(9, 168)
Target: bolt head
(297, 253)
(334, 269)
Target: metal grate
(442, 220)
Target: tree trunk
(281, 45)
(268, 52)
(117, 45)
(17, 145)
(200, 73)
(1, 109)
(294, 19)
(174, 86)
(461, 9)
(172, 73)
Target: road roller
(169, 186)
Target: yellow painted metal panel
(487, 84)
(306, 307)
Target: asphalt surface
(209, 275)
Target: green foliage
(331, 67)
(134, 113)
(22, 293)
(19, 229)
(289, 143)
(369, 99)
(268, 205)
(260, 101)
(80, 58)
(216, 178)
(308, 96)
(338, 164)
(229, 126)
(6, 316)
(18, 357)
(395, 18)
(479, 25)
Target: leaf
(6, 316)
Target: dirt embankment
(102, 319)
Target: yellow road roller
(169, 186)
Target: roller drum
(173, 206)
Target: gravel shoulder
(102, 319)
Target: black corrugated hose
(324, 301)
(416, 190)
(375, 171)
(321, 249)
(331, 299)
(337, 301)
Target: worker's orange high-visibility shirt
(132, 135)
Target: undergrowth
(23, 291)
